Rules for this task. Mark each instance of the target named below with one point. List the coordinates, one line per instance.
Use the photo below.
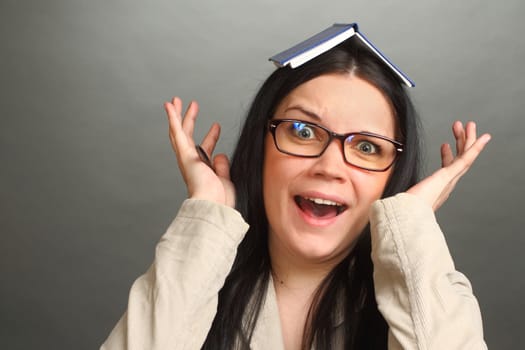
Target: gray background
(88, 181)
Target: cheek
(281, 173)
(277, 166)
(371, 186)
(268, 170)
(272, 173)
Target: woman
(312, 257)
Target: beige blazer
(426, 302)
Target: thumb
(221, 165)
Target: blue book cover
(324, 41)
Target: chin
(317, 252)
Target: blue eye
(367, 147)
(303, 130)
(364, 145)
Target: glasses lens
(370, 152)
(309, 140)
(300, 138)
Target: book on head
(327, 39)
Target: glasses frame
(274, 123)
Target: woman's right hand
(202, 182)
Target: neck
(296, 280)
(296, 273)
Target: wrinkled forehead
(341, 102)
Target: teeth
(323, 201)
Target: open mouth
(319, 207)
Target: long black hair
(349, 288)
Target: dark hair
(349, 287)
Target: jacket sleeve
(173, 304)
(425, 301)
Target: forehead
(342, 102)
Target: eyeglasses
(361, 149)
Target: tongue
(317, 210)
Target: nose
(331, 163)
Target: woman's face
(342, 103)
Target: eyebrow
(305, 111)
(319, 119)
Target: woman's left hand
(436, 188)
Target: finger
(459, 134)
(179, 140)
(446, 155)
(211, 138)
(222, 166)
(471, 134)
(173, 109)
(461, 164)
(174, 119)
(188, 122)
(177, 103)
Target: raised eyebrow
(318, 119)
(304, 111)
(368, 133)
